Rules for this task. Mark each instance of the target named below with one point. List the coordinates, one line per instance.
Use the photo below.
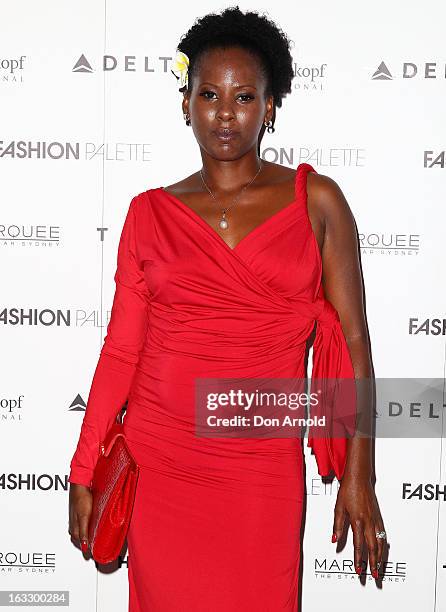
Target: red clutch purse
(113, 488)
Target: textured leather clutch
(113, 488)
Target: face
(227, 105)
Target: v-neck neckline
(254, 231)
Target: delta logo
(82, 65)
(126, 63)
(78, 404)
(410, 70)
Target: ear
(269, 108)
(185, 103)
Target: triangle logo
(82, 65)
(382, 73)
(78, 404)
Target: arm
(343, 287)
(119, 355)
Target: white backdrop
(78, 142)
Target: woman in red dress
(229, 273)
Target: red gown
(216, 522)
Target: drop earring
(186, 118)
(269, 126)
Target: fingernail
(334, 538)
(358, 569)
(375, 573)
(84, 546)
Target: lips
(225, 134)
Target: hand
(357, 501)
(80, 506)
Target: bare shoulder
(326, 200)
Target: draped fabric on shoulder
(216, 522)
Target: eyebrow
(235, 86)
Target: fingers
(73, 529)
(78, 529)
(361, 507)
(358, 543)
(381, 542)
(373, 548)
(338, 523)
(83, 531)
(80, 508)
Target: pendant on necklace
(223, 223)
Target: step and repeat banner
(90, 117)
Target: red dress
(216, 522)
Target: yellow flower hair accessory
(180, 68)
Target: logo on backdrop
(59, 317)
(427, 327)
(82, 65)
(30, 235)
(388, 243)
(11, 408)
(78, 404)
(309, 78)
(29, 562)
(423, 491)
(382, 73)
(410, 70)
(11, 69)
(326, 568)
(306, 77)
(33, 482)
(124, 63)
(318, 488)
(412, 410)
(43, 150)
(434, 159)
(332, 157)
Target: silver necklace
(223, 223)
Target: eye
(204, 94)
(207, 94)
(248, 96)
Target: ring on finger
(381, 534)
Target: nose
(225, 111)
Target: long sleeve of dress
(126, 332)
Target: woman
(220, 275)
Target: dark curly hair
(251, 31)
